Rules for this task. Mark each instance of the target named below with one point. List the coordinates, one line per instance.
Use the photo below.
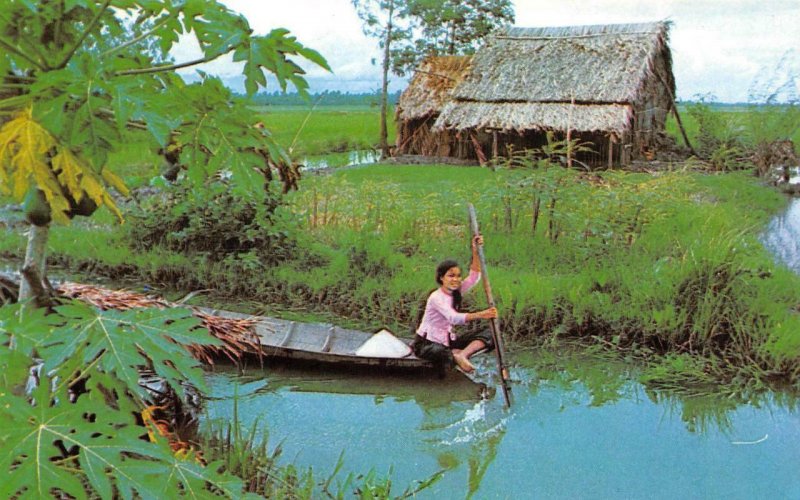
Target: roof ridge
(574, 31)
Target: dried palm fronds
(431, 86)
(237, 335)
(592, 64)
(519, 117)
(106, 299)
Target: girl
(435, 340)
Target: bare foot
(463, 362)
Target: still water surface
(580, 427)
(782, 236)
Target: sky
(721, 49)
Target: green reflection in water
(580, 421)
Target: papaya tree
(76, 74)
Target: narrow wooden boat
(329, 344)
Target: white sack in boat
(384, 345)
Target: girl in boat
(435, 339)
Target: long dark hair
(441, 270)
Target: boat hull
(320, 343)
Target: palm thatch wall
(608, 84)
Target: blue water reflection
(561, 439)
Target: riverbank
(666, 266)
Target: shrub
(214, 222)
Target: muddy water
(580, 427)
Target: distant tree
(450, 27)
(388, 21)
(74, 75)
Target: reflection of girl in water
(435, 339)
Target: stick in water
(499, 347)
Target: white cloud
(718, 46)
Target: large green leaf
(38, 440)
(25, 329)
(219, 30)
(44, 443)
(122, 342)
(272, 53)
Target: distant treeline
(328, 98)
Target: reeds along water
(668, 262)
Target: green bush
(213, 222)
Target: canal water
(338, 160)
(782, 236)
(580, 427)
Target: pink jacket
(440, 317)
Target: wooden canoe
(325, 343)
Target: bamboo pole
(674, 108)
(499, 347)
(569, 133)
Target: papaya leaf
(24, 146)
(272, 53)
(125, 102)
(40, 442)
(219, 30)
(43, 442)
(159, 126)
(113, 180)
(25, 329)
(122, 342)
(172, 472)
(29, 155)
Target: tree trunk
(384, 137)
(35, 256)
(451, 50)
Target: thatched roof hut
(429, 90)
(610, 85)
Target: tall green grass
(751, 124)
(324, 129)
(668, 262)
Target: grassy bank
(664, 264)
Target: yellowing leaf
(70, 172)
(114, 181)
(25, 149)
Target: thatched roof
(526, 78)
(537, 115)
(431, 86)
